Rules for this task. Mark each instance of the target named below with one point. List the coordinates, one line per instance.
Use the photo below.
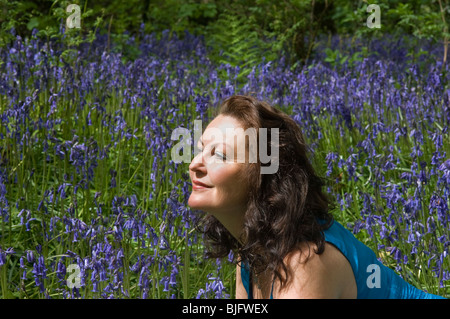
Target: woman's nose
(197, 162)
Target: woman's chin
(196, 203)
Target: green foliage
(292, 25)
(232, 41)
(238, 28)
(422, 18)
(178, 16)
(427, 24)
(11, 17)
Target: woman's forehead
(222, 129)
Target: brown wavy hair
(284, 208)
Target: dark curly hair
(284, 209)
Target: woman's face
(218, 184)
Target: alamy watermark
(374, 20)
(374, 279)
(185, 146)
(74, 20)
(74, 279)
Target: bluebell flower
(173, 276)
(30, 256)
(445, 168)
(165, 282)
(2, 257)
(22, 263)
(61, 271)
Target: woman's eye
(220, 155)
(214, 152)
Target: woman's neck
(232, 220)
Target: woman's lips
(199, 185)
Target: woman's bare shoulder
(325, 275)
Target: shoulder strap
(246, 279)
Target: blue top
(373, 279)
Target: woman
(279, 224)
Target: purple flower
(61, 271)
(445, 169)
(30, 256)
(173, 276)
(440, 206)
(330, 159)
(2, 257)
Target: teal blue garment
(373, 279)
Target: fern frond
(232, 40)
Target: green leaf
(33, 23)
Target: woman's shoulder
(312, 275)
